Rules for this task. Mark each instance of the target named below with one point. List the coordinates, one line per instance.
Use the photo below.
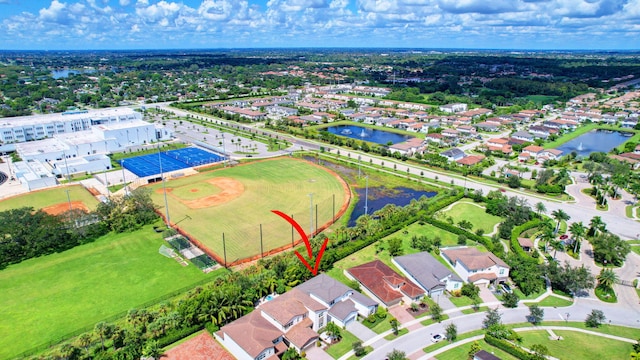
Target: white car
(437, 338)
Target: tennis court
(148, 165)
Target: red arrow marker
(298, 228)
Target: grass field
(44, 198)
(46, 298)
(283, 184)
(577, 345)
(475, 214)
(462, 351)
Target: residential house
(476, 267)
(408, 147)
(476, 113)
(435, 138)
(382, 283)
(467, 130)
(533, 150)
(470, 160)
(454, 154)
(487, 126)
(450, 133)
(629, 122)
(523, 135)
(453, 108)
(293, 319)
(550, 154)
(428, 273)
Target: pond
(65, 73)
(371, 135)
(380, 196)
(594, 141)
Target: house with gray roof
(293, 319)
(428, 273)
(454, 154)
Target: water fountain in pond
(580, 147)
(363, 133)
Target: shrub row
(444, 202)
(508, 347)
(174, 335)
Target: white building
(478, 268)
(36, 127)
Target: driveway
(360, 331)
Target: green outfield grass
(283, 184)
(474, 214)
(46, 298)
(44, 198)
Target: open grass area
(461, 301)
(475, 214)
(442, 344)
(552, 301)
(473, 311)
(575, 345)
(522, 296)
(43, 198)
(606, 294)
(44, 299)
(430, 321)
(344, 346)
(242, 208)
(462, 351)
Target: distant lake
(372, 135)
(65, 73)
(594, 141)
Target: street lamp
(366, 194)
(164, 187)
(124, 181)
(567, 317)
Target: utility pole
(124, 181)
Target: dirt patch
(194, 190)
(201, 347)
(231, 189)
(64, 207)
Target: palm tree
(541, 209)
(607, 278)
(577, 230)
(596, 224)
(556, 244)
(560, 215)
(547, 236)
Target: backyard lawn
(344, 346)
(475, 214)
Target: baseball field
(237, 201)
(53, 201)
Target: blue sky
(171, 24)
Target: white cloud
(124, 2)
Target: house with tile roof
(476, 267)
(385, 285)
(428, 273)
(293, 319)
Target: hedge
(174, 335)
(508, 347)
(515, 233)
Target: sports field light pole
(66, 166)
(164, 187)
(311, 213)
(124, 181)
(224, 151)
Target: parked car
(437, 338)
(506, 288)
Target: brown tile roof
(301, 334)
(482, 276)
(470, 160)
(533, 149)
(525, 242)
(289, 305)
(370, 274)
(252, 333)
(473, 259)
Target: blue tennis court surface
(147, 165)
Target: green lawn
(575, 345)
(442, 344)
(475, 214)
(43, 198)
(472, 311)
(344, 346)
(522, 296)
(431, 321)
(552, 301)
(461, 301)
(44, 299)
(461, 352)
(246, 219)
(622, 331)
(401, 332)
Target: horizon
(501, 25)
